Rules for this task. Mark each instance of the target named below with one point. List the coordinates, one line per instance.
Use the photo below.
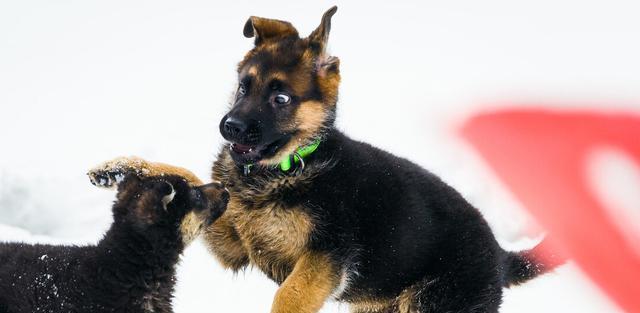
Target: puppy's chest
(274, 235)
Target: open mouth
(246, 154)
(243, 149)
(249, 154)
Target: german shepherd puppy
(132, 269)
(326, 216)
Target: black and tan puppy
(131, 269)
(326, 216)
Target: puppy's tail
(525, 265)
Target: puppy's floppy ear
(320, 35)
(265, 29)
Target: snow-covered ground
(84, 81)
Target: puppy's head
(287, 92)
(168, 206)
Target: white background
(84, 81)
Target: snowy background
(85, 81)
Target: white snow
(85, 81)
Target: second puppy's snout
(213, 197)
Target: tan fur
(308, 122)
(371, 306)
(297, 80)
(310, 117)
(191, 227)
(268, 46)
(145, 168)
(166, 169)
(329, 82)
(308, 286)
(274, 237)
(253, 71)
(405, 301)
(225, 244)
(269, 29)
(281, 76)
(241, 65)
(259, 232)
(301, 78)
(308, 57)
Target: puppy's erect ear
(265, 29)
(320, 35)
(325, 64)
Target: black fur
(132, 269)
(392, 225)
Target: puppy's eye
(282, 98)
(241, 90)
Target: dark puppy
(326, 216)
(130, 270)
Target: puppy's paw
(109, 174)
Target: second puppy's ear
(152, 202)
(128, 188)
(265, 29)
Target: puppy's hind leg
(373, 306)
(454, 294)
(110, 173)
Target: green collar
(296, 157)
(299, 155)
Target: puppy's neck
(127, 255)
(264, 182)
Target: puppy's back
(36, 276)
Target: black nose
(234, 128)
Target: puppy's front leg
(224, 242)
(314, 277)
(110, 173)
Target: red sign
(541, 156)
